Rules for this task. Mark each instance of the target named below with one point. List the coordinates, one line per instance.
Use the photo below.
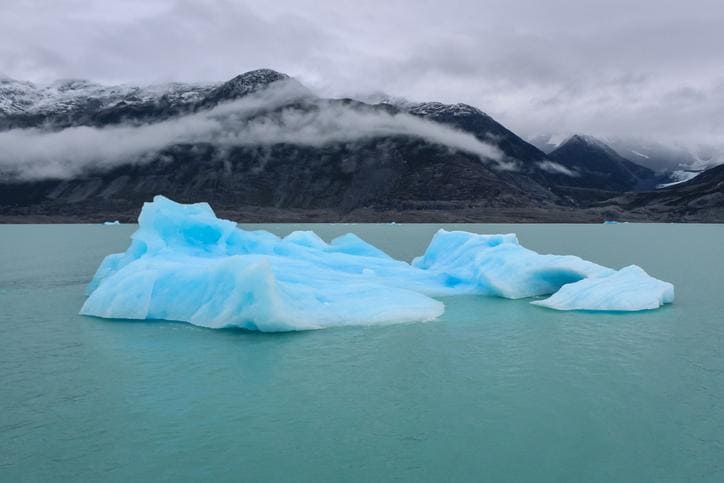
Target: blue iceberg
(628, 289)
(185, 264)
(498, 265)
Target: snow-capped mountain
(248, 83)
(700, 198)
(522, 156)
(291, 150)
(596, 165)
(262, 139)
(671, 156)
(660, 157)
(82, 103)
(26, 98)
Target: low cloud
(649, 68)
(555, 168)
(260, 119)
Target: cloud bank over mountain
(283, 113)
(613, 67)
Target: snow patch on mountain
(19, 97)
(678, 177)
(438, 108)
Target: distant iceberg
(185, 264)
(112, 222)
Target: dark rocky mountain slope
(699, 199)
(391, 170)
(262, 147)
(597, 166)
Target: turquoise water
(495, 390)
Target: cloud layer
(36, 153)
(606, 67)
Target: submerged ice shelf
(185, 264)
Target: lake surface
(495, 390)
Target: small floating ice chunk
(629, 289)
(112, 222)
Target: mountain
(473, 120)
(699, 199)
(243, 85)
(595, 165)
(81, 103)
(662, 158)
(676, 177)
(673, 156)
(262, 147)
(263, 141)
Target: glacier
(185, 264)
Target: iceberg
(629, 289)
(497, 265)
(185, 264)
(111, 222)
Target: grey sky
(645, 67)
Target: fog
(264, 118)
(648, 68)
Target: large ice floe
(185, 264)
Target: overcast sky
(642, 67)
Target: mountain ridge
(379, 162)
(598, 166)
